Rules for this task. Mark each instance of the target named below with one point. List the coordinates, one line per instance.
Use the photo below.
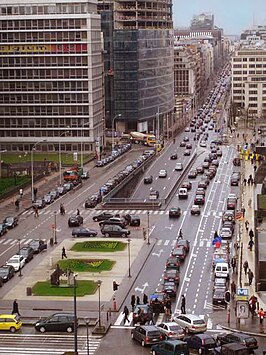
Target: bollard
(228, 315)
(114, 303)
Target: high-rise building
(139, 63)
(51, 75)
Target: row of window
(26, 122)
(45, 133)
(25, 147)
(48, 98)
(43, 24)
(59, 36)
(44, 111)
(53, 61)
(250, 72)
(251, 59)
(35, 86)
(250, 66)
(59, 8)
(43, 73)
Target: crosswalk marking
(166, 242)
(10, 241)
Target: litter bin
(29, 291)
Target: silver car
(191, 323)
(171, 330)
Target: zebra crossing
(201, 243)
(11, 241)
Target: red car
(187, 185)
(173, 262)
(179, 252)
(184, 243)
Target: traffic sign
(242, 294)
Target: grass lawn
(86, 265)
(84, 287)
(7, 184)
(99, 246)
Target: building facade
(51, 75)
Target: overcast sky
(232, 15)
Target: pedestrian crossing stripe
(210, 305)
(6, 241)
(201, 243)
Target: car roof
(192, 316)
(149, 327)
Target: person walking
(249, 203)
(168, 306)
(233, 263)
(138, 300)
(233, 289)
(133, 302)
(250, 277)
(261, 315)
(251, 234)
(245, 266)
(183, 304)
(145, 298)
(247, 225)
(78, 212)
(17, 205)
(35, 190)
(15, 309)
(245, 182)
(21, 193)
(255, 168)
(250, 244)
(243, 210)
(36, 211)
(126, 314)
(64, 253)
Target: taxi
(10, 322)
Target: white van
(221, 270)
(182, 193)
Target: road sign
(242, 294)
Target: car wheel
(75, 235)
(69, 329)
(107, 235)
(42, 330)
(123, 235)
(12, 329)
(143, 343)
(132, 336)
(96, 219)
(91, 235)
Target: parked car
(218, 296)
(191, 323)
(6, 272)
(170, 347)
(48, 198)
(132, 220)
(27, 253)
(75, 221)
(195, 210)
(83, 232)
(146, 335)
(154, 195)
(171, 275)
(102, 216)
(142, 314)
(17, 261)
(179, 252)
(90, 203)
(58, 322)
(37, 245)
(169, 288)
(118, 221)
(10, 222)
(173, 263)
(3, 229)
(248, 341)
(85, 175)
(229, 215)
(10, 322)
(114, 231)
(61, 189)
(174, 212)
(192, 174)
(39, 203)
(54, 193)
(148, 179)
(203, 343)
(171, 330)
(221, 270)
(187, 185)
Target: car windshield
(3, 272)
(209, 341)
(198, 322)
(250, 340)
(174, 328)
(34, 243)
(13, 260)
(9, 219)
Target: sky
(233, 16)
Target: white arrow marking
(171, 226)
(143, 288)
(158, 254)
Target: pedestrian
(250, 277)
(15, 308)
(62, 209)
(36, 211)
(21, 192)
(251, 181)
(233, 263)
(78, 213)
(35, 190)
(251, 234)
(261, 315)
(252, 304)
(250, 244)
(168, 306)
(255, 168)
(183, 304)
(137, 300)
(247, 225)
(245, 266)
(126, 314)
(64, 253)
(248, 181)
(145, 299)
(17, 204)
(133, 302)
(245, 182)
(249, 203)
(243, 210)
(233, 289)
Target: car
(68, 186)
(171, 275)
(231, 203)
(3, 229)
(218, 296)
(148, 179)
(195, 210)
(39, 203)
(146, 334)
(132, 220)
(83, 232)
(200, 169)
(188, 146)
(27, 253)
(236, 161)
(179, 166)
(154, 195)
(199, 200)
(205, 164)
(61, 189)
(172, 263)
(203, 343)
(10, 322)
(220, 282)
(162, 173)
(142, 313)
(114, 231)
(173, 156)
(118, 221)
(187, 129)
(57, 322)
(102, 216)
(203, 144)
(236, 175)
(183, 243)
(90, 203)
(48, 198)
(6, 272)
(186, 139)
(174, 212)
(192, 174)
(215, 162)
(187, 152)
(54, 193)
(170, 347)
(221, 270)
(85, 175)
(187, 185)
(10, 222)
(75, 221)
(229, 215)
(191, 323)
(247, 340)
(219, 153)
(17, 261)
(182, 144)
(231, 349)
(171, 330)
(226, 233)
(179, 252)
(201, 191)
(37, 245)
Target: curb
(242, 331)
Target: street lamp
(55, 236)
(59, 152)
(20, 274)
(81, 145)
(32, 178)
(113, 121)
(99, 282)
(1, 151)
(148, 215)
(75, 315)
(128, 247)
(87, 321)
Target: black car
(169, 288)
(91, 203)
(102, 216)
(203, 343)
(148, 179)
(175, 212)
(75, 221)
(39, 203)
(3, 228)
(132, 220)
(172, 275)
(172, 263)
(37, 245)
(10, 222)
(83, 232)
(218, 297)
(173, 156)
(57, 322)
(27, 252)
(146, 334)
(6, 272)
(118, 221)
(192, 174)
(114, 231)
(247, 340)
(199, 200)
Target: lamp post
(32, 170)
(55, 236)
(75, 315)
(1, 151)
(81, 145)
(128, 247)
(20, 274)
(148, 240)
(59, 158)
(87, 335)
(113, 121)
(99, 282)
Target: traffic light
(115, 286)
(227, 296)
